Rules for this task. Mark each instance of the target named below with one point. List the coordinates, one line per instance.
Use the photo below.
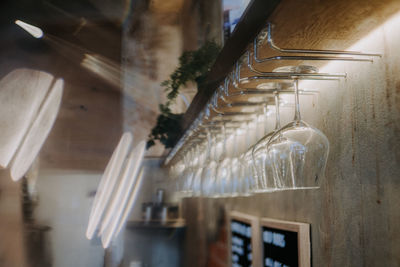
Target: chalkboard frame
(303, 231)
(255, 235)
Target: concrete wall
(354, 215)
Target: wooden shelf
(253, 20)
(298, 24)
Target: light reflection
(131, 202)
(115, 213)
(22, 93)
(371, 42)
(32, 30)
(120, 200)
(108, 182)
(103, 67)
(38, 132)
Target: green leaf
(193, 66)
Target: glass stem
(297, 116)
(247, 136)
(265, 110)
(208, 146)
(235, 147)
(277, 118)
(223, 155)
(214, 147)
(255, 137)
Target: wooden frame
(255, 236)
(303, 237)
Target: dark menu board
(280, 248)
(241, 244)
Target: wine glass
(266, 179)
(298, 151)
(223, 178)
(236, 166)
(174, 174)
(198, 164)
(209, 169)
(249, 177)
(187, 174)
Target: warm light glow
(121, 198)
(103, 67)
(373, 42)
(249, 109)
(256, 99)
(108, 182)
(32, 30)
(267, 86)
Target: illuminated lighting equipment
(108, 183)
(32, 30)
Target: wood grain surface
(354, 215)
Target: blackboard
(241, 247)
(285, 244)
(244, 240)
(279, 248)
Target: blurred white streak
(131, 202)
(32, 30)
(22, 93)
(115, 213)
(103, 67)
(108, 183)
(38, 132)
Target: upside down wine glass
(249, 177)
(209, 169)
(298, 151)
(223, 179)
(267, 181)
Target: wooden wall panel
(353, 216)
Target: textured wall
(354, 216)
(12, 252)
